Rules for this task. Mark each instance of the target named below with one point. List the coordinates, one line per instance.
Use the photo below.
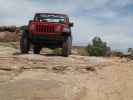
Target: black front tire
(24, 43)
(67, 46)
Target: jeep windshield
(50, 18)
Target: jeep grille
(45, 28)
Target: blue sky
(112, 20)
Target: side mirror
(71, 24)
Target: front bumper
(46, 41)
(42, 38)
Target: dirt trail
(49, 77)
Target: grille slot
(45, 28)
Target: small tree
(98, 48)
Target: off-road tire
(24, 43)
(36, 49)
(67, 45)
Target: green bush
(98, 48)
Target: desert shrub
(8, 28)
(98, 48)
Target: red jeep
(47, 30)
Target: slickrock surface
(50, 77)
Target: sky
(112, 20)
